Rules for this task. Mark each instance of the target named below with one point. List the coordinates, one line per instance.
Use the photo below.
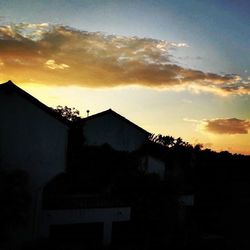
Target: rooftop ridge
(9, 85)
(110, 111)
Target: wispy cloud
(223, 125)
(51, 64)
(55, 54)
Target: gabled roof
(11, 87)
(110, 111)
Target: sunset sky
(175, 67)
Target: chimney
(87, 113)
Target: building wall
(90, 215)
(156, 166)
(185, 199)
(153, 166)
(114, 131)
(31, 139)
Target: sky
(174, 67)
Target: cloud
(227, 126)
(51, 64)
(61, 55)
(207, 145)
(222, 125)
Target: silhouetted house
(32, 136)
(108, 127)
(32, 139)
(35, 139)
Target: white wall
(156, 166)
(117, 133)
(31, 139)
(185, 199)
(153, 166)
(90, 215)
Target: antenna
(87, 113)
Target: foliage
(71, 114)
(169, 141)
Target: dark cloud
(227, 126)
(54, 54)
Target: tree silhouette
(71, 114)
(167, 141)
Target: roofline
(11, 86)
(110, 111)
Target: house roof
(10, 86)
(110, 111)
